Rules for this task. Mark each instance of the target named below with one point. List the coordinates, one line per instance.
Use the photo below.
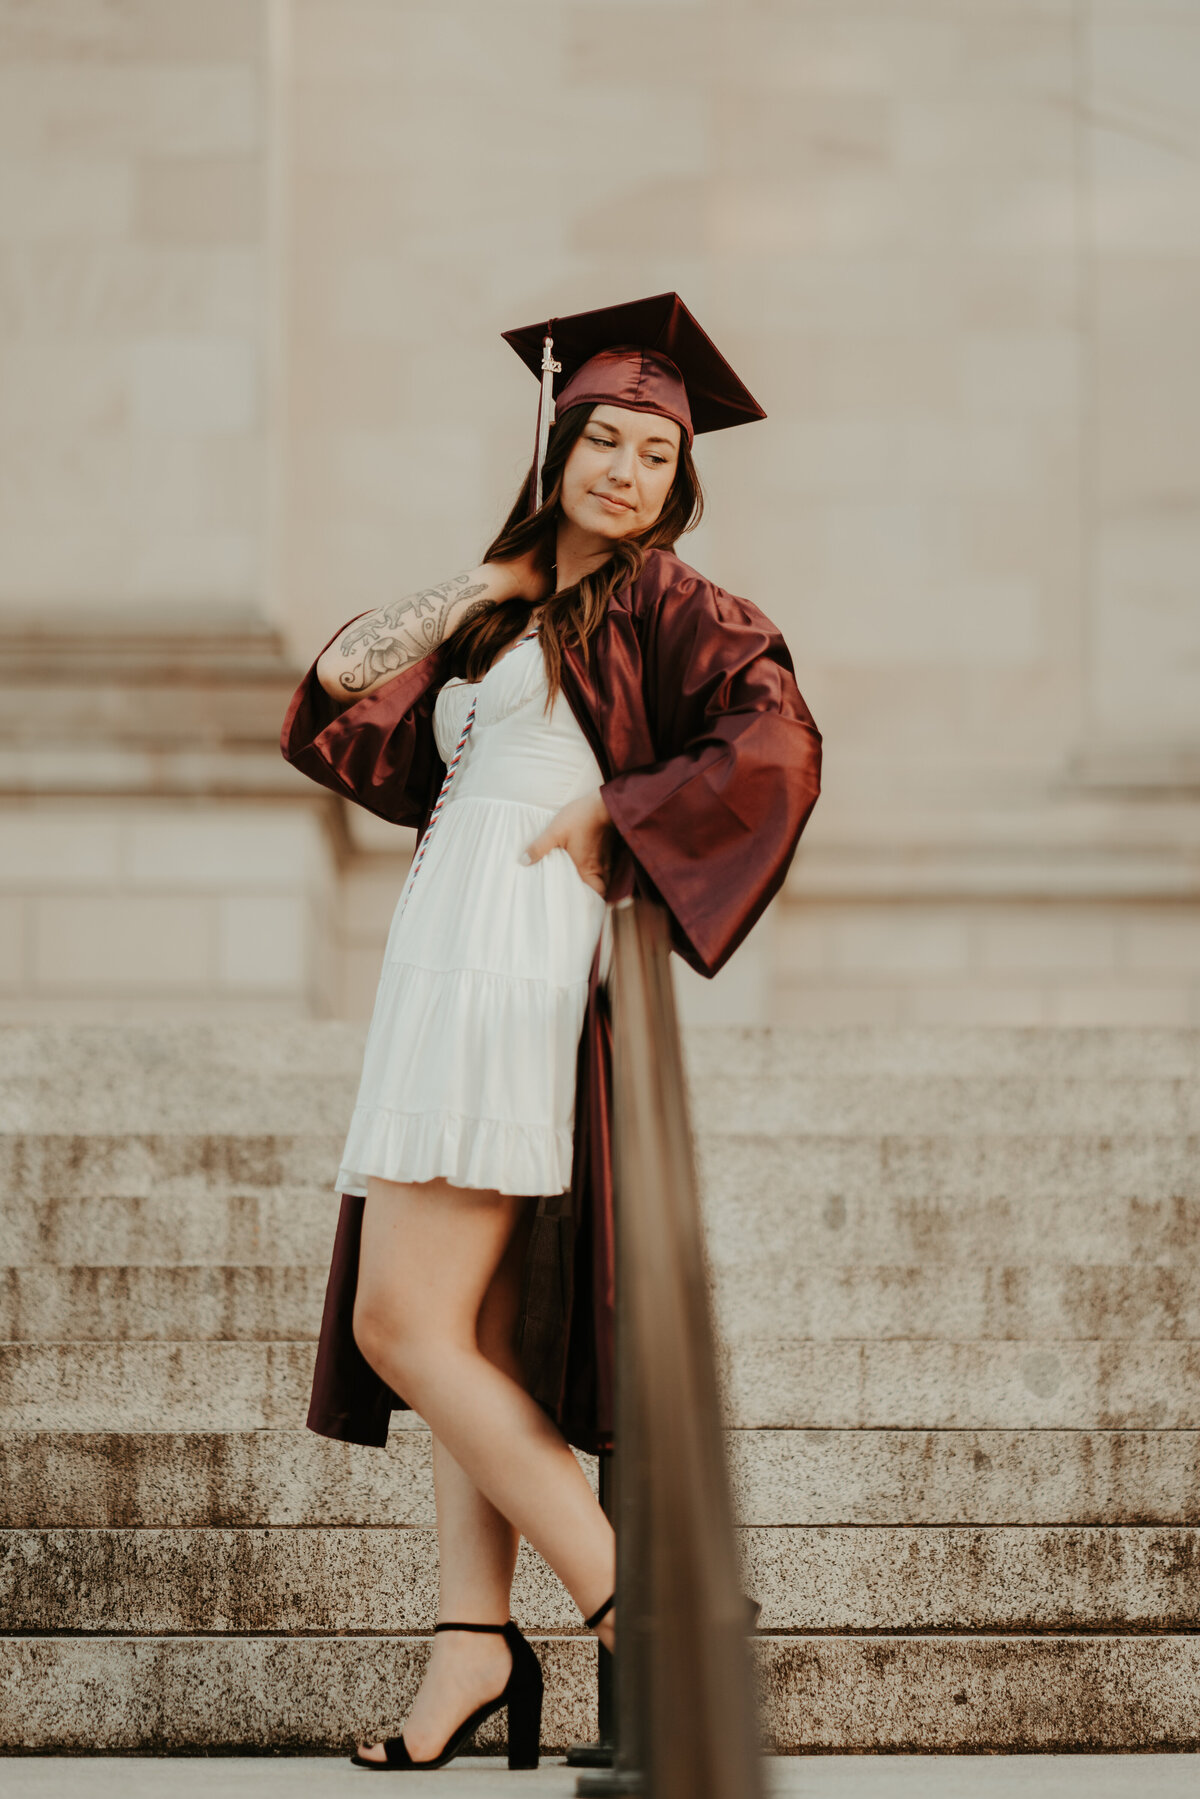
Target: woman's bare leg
(477, 1550)
(477, 1546)
(437, 1302)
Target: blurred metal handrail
(687, 1724)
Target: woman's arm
(385, 642)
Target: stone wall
(254, 260)
(133, 283)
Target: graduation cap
(648, 355)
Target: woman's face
(619, 471)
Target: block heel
(525, 1689)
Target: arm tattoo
(393, 638)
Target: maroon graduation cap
(649, 355)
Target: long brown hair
(575, 614)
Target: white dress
(469, 1068)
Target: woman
(472, 1270)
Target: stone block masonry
(957, 1284)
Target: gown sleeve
(713, 824)
(380, 751)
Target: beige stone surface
(328, 1581)
(821, 1776)
(264, 1692)
(124, 943)
(254, 259)
(956, 1305)
(263, 943)
(158, 905)
(244, 1479)
(132, 196)
(922, 1694)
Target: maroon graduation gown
(712, 765)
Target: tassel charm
(550, 368)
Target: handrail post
(687, 1725)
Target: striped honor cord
(453, 763)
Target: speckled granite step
(237, 1479)
(957, 1276)
(281, 1694)
(905, 1302)
(322, 1581)
(780, 1203)
(297, 1078)
(770, 1384)
(124, 1058)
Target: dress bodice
(516, 750)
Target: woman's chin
(606, 527)
(615, 525)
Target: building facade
(255, 257)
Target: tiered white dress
(469, 1068)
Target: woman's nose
(620, 469)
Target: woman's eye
(602, 443)
(658, 459)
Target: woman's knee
(379, 1331)
(401, 1347)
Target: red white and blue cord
(453, 763)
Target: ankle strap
(497, 1630)
(591, 1623)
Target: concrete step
(864, 1579)
(297, 1078)
(930, 1200)
(288, 1694)
(842, 1105)
(128, 1059)
(240, 1078)
(239, 1479)
(770, 1383)
(273, 1227)
(760, 1053)
(947, 1694)
(197, 1169)
(788, 1384)
(154, 1386)
(186, 1167)
(228, 1304)
(196, 1695)
(302, 1581)
(1048, 1303)
(905, 1302)
(959, 1105)
(783, 1201)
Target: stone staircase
(959, 1293)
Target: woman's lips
(617, 505)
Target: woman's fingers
(585, 855)
(534, 851)
(549, 839)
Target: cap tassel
(550, 368)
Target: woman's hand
(584, 829)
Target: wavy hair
(575, 614)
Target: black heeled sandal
(522, 1695)
(601, 1611)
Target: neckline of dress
(461, 680)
